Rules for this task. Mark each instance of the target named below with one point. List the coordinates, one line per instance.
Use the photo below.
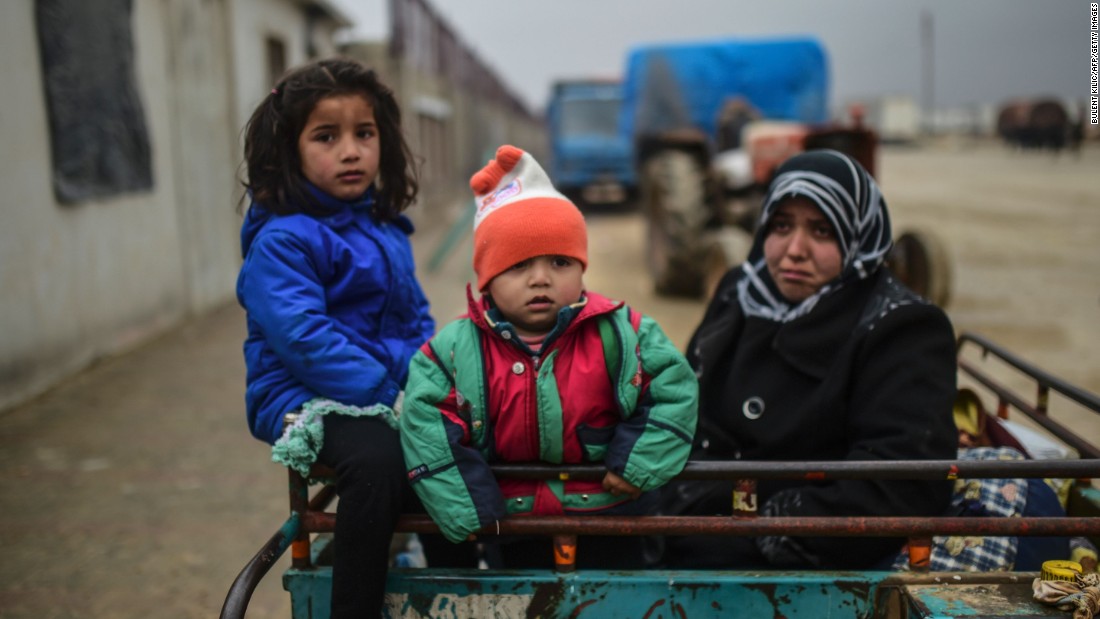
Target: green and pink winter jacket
(607, 386)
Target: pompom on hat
(520, 216)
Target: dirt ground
(1022, 231)
(135, 490)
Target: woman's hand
(618, 486)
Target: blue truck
(591, 161)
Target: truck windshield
(591, 117)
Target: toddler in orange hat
(541, 369)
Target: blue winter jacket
(334, 309)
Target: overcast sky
(984, 51)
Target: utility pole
(928, 86)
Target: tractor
(710, 122)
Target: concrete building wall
(80, 280)
(255, 22)
(204, 152)
(86, 279)
(455, 110)
(89, 278)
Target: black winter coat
(869, 374)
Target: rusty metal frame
(308, 515)
(1044, 383)
(919, 530)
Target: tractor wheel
(728, 248)
(920, 260)
(676, 213)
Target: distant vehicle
(710, 121)
(895, 118)
(591, 161)
(1037, 124)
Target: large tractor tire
(729, 247)
(921, 261)
(674, 186)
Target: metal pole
(927, 42)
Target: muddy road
(1022, 238)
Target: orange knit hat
(520, 216)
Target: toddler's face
(339, 146)
(530, 293)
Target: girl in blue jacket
(334, 308)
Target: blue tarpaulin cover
(677, 86)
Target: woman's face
(801, 249)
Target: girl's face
(339, 146)
(530, 293)
(801, 249)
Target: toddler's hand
(618, 486)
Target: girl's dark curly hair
(271, 138)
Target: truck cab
(591, 162)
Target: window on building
(275, 50)
(99, 143)
(433, 139)
(433, 146)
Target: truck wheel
(920, 260)
(676, 213)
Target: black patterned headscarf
(851, 201)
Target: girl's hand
(618, 486)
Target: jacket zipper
(383, 326)
(533, 404)
(616, 381)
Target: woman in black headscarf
(812, 350)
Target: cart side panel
(453, 594)
(458, 594)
